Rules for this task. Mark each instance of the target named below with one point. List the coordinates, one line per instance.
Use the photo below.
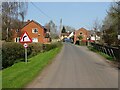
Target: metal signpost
(25, 46)
(25, 39)
(118, 37)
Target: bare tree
(111, 25)
(96, 27)
(12, 11)
(52, 28)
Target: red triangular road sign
(25, 38)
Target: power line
(40, 10)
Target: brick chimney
(28, 21)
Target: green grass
(102, 54)
(20, 74)
(106, 56)
(0, 80)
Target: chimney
(28, 21)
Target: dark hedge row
(11, 52)
(14, 52)
(48, 47)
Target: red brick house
(81, 32)
(36, 32)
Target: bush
(35, 48)
(14, 52)
(11, 52)
(48, 47)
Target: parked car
(67, 40)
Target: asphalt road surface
(77, 67)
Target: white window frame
(33, 40)
(34, 31)
(17, 39)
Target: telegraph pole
(118, 22)
(60, 26)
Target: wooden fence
(111, 51)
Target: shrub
(49, 47)
(52, 46)
(11, 52)
(14, 52)
(35, 48)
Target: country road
(77, 67)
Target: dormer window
(34, 30)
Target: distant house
(83, 33)
(94, 36)
(36, 32)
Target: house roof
(28, 22)
(82, 29)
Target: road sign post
(25, 46)
(25, 39)
(118, 37)
(26, 55)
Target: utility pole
(95, 33)
(118, 22)
(60, 26)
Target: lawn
(0, 80)
(20, 74)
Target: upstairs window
(34, 30)
(80, 33)
(17, 39)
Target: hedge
(35, 48)
(14, 52)
(48, 47)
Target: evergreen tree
(63, 30)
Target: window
(34, 39)
(80, 33)
(34, 30)
(17, 39)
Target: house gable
(36, 31)
(83, 32)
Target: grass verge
(102, 54)
(0, 80)
(20, 74)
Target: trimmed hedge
(10, 52)
(14, 52)
(35, 48)
(48, 47)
